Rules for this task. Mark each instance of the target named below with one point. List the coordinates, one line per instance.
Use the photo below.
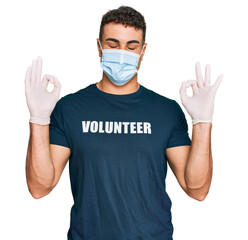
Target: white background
(179, 33)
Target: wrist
(43, 120)
(195, 121)
(202, 129)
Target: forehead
(121, 32)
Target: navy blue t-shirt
(118, 161)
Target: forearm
(198, 171)
(39, 166)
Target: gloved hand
(40, 101)
(200, 106)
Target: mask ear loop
(142, 50)
(100, 45)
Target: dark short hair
(125, 15)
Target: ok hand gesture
(40, 101)
(200, 106)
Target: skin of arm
(193, 165)
(44, 161)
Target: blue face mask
(119, 65)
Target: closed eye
(116, 47)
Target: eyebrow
(117, 41)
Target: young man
(119, 136)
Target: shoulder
(158, 98)
(74, 96)
(170, 107)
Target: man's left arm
(193, 164)
(199, 166)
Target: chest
(119, 133)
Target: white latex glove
(40, 101)
(200, 106)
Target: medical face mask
(119, 65)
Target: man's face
(117, 36)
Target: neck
(106, 85)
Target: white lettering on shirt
(116, 127)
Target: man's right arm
(45, 162)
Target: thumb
(182, 92)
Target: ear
(98, 47)
(144, 49)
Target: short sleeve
(56, 127)
(179, 135)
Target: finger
(193, 84)
(198, 74)
(34, 71)
(183, 93)
(57, 86)
(217, 84)
(207, 75)
(28, 76)
(39, 68)
(46, 79)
